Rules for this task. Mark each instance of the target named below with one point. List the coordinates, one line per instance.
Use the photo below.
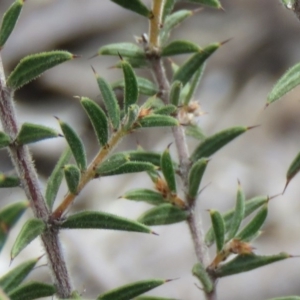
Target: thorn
(168, 280)
(197, 286)
(226, 41)
(272, 197)
(60, 135)
(94, 70)
(57, 118)
(239, 183)
(154, 233)
(266, 106)
(11, 261)
(252, 127)
(203, 189)
(195, 11)
(168, 147)
(286, 185)
(120, 56)
(76, 56)
(222, 8)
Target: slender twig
(194, 223)
(155, 23)
(23, 163)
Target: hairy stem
(89, 174)
(23, 163)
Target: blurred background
(265, 43)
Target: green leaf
(97, 118)
(32, 290)
(110, 101)
(128, 50)
(294, 168)
(194, 84)
(244, 263)
(168, 109)
(175, 91)
(172, 21)
(239, 213)
(32, 66)
(131, 90)
(200, 272)
(215, 142)
(285, 84)
(136, 6)
(4, 140)
(154, 120)
(30, 230)
(129, 167)
(192, 65)
(144, 195)
(163, 214)
(136, 63)
(9, 21)
(211, 3)
(56, 177)
(131, 117)
(145, 86)
(112, 163)
(72, 175)
(13, 278)
(250, 206)
(153, 298)
(218, 225)
(194, 131)
(195, 176)
(254, 225)
(9, 181)
(168, 7)
(101, 220)
(180, 47)
(129, 291)
(9, 215)
(144, 156)
(75, 145)
(167, 168)
(31, 133)
(287, 298)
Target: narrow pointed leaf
(168, 109)
(194, 84)
(163, 214)
(136, 63)
(132, 117)
(101, 220)
(72, 175)
(244, 263)
(215, 142)
(75, 145)
(9, 215)
(9, 181)
(34, 65)
(239, 213)
(195, 176)
(9, 21)
(144, 195)
(129, 167)
(195, 131)
(56, 177)
(32, 290)
(200, 272)
(110, 101)
(13, 278)
(168, 171)
(30, 230)
(4, 140)
(144, 156)
(250, 206)
(129, 291)
(180, 47)
(131, 90)
(127, 50)
(157, 121)
(31, 133)
(136, 6)
(97, 118)
(145, 86)
(191, 66)
(210, 3)
(112, 163)
(175, 91)
(219, 228)
(285, 84)
(294, 168)
(254, 225)
(172, 21)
